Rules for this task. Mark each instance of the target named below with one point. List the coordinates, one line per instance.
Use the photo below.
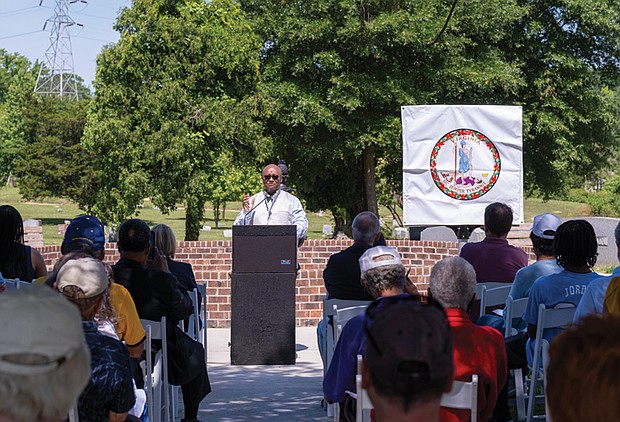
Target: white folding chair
(493, 296)
(193, 327)
(328, 331)
(74, 416)
(20, 284)
(10, 283)
(488, 285)
(515, 308)
(363, 403)
(463, 395)
(340, 317)
(202, 288)
(558, 317)
(157, 372)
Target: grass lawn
(54, 211)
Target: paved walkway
(264, 393)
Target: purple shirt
(494, 259)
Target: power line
(20, 35)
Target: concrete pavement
(264, 393)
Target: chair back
(493, 296)
(157, 372)
(488, 285)
(74, 416)
(193, 326)
(342, 316)
(463, 395)
(202, 288)
(559, 317)
(515, 308)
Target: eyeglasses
(377, 305)
(271, 176)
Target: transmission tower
(57, 75)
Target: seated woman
(166, 242)
(17, 261)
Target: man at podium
(273, 206)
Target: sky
(22, 21)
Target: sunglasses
(271, 176)
(375, 308)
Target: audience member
(542, 234)
(383, 275)
(86, 234)
(575, 247)
(477, 349)
(166, 242)
(109, 395)
(582, 376)
(17, 261)
(41, 347)
(593, 298)
(156, 293)
(494, 259)
(342, 273)
(407, 362)
(273, 205)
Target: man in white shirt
(273, 206)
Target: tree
(17, 79)
(170, 98)
(55, 164)
(338, 73)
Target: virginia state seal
(465, 164)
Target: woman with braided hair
(17, 261)
(575, 249)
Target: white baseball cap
(86, 273)
(378, 257)
(545, 225)
(39, 330)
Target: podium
(264, 268)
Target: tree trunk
(216, 213)
(368, 155)
(194, 215)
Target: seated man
(342, 273)
(477, 349)
(383, 274)
(109, 395)
(41, 345)
(407, 363)
(156, 294)
(582, 376)
(576, 249)
(494, 259)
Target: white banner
(459, 159)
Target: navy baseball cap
(85, 229)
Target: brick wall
(212, 263)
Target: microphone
(252, 209)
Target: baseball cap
(408, 346)
(86, 229)
(86, 273)
(39, 330)
(545, 225)
(379, 256)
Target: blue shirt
(110, 386)
(565, 287)
(594, 296)
(526, 276)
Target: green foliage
(17, 80)
(55, 164)
(605, 202)
(172, 98)
(338, 72)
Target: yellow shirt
(129, 327)
(612, 297)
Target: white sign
(459, 159)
